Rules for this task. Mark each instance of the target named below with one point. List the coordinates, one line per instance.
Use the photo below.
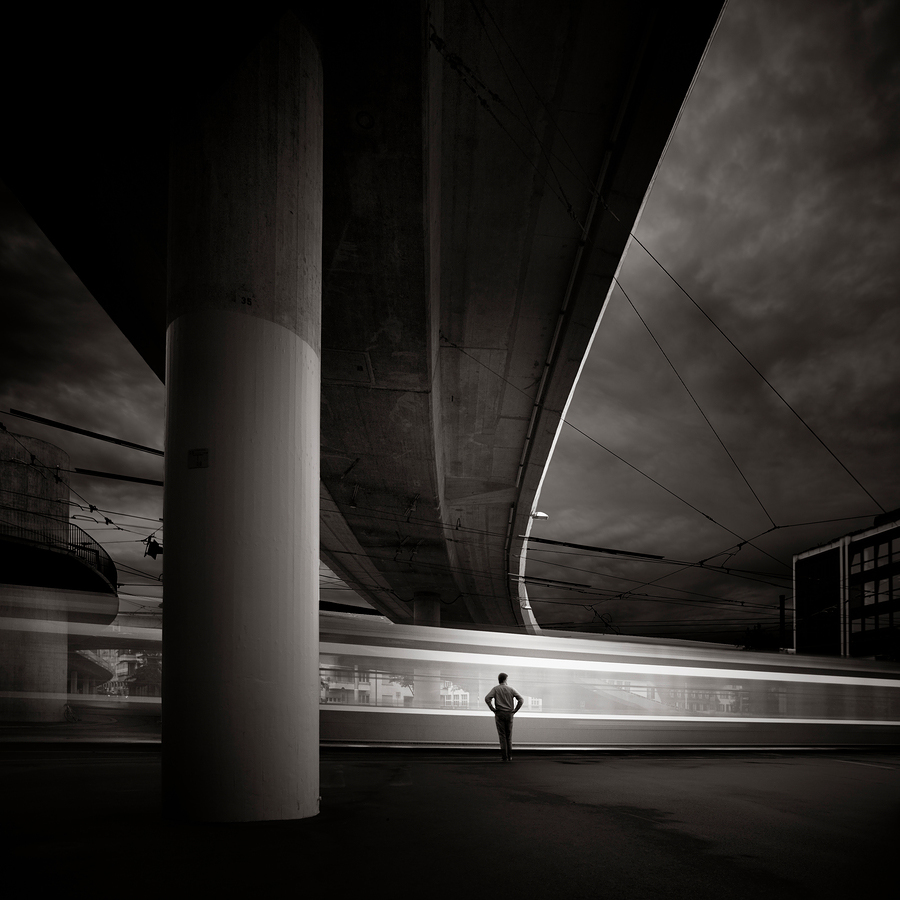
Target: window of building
(869, 557)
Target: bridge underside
(484, 166)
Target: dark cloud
(63, 359)
(59, 349)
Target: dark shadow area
(448, 824)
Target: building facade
(54, 577)
(847, 594)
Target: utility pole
(781, 600)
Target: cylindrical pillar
(427, 676)
(241, 651)
(427, 608)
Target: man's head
(502, 678)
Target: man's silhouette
(504, 710)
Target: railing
(58, 535)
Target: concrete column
(427, 676)
(427, 608)
(241, 651)
(33, 657)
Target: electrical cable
(474, 83)
(755, 369)
(462, 70)
(611, 452)
(586, 183)
(695, 402)
(527, 124)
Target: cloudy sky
(777, 208)
(62, 358)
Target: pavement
(86, 818)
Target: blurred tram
(391, 685)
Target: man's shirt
(503, 696)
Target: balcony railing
(59, 536)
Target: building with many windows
(54, 578)
(847, 593)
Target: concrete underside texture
(483, 167)
(444, 824)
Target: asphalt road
(463, 825)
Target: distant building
(54, 577)
(453, 696)
(847, 593)
(353, 686)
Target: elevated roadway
(484, 165)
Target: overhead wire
(643, 583)
(694, 400)
(608, 450)
(565, 201)
(478, 88)
(729, 571)
(595, 192)
(40, 467)
(533, 549)
(527, 124)
(757, 371)
(586, 181)
(395, 519)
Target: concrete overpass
(423, 203)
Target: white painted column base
(241, 650)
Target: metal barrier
(58, 535)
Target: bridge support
(427, 677)
(241, 688)
(427, 608)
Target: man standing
(503, 695)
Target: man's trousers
(504, 722)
